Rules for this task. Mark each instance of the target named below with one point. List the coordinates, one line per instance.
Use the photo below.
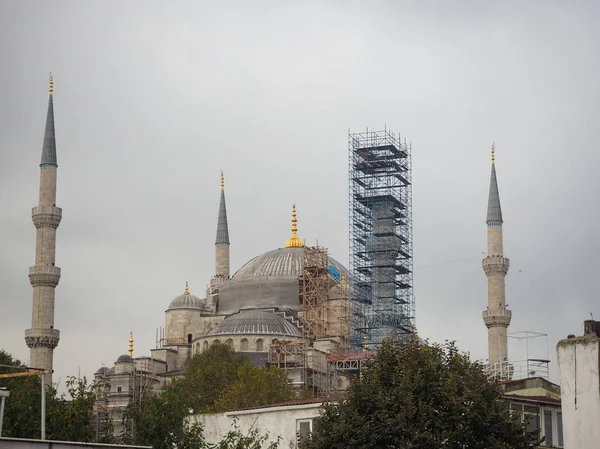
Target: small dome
(102, 370)
(124, 359)
(186, 301)
(255, 322)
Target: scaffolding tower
(381, 262)
(314, 287)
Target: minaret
(495, 265)
(222, 241)
(130, 344)
(42, 338)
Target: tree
(208, 375)
(67, 419)
(159, 421)
(420, 397)
(256, 386)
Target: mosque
(258, 311)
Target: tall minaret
(42, 338)
(495, 265)
(222, 241)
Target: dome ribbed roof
(124, 359)
(255, 322)
(186, 301)
(102, 370)
(280, 262)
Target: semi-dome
(255, 322)
(186, 301)
(124, 359)
(102, 370)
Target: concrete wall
(578, 361)
(277, 421)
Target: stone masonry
(44, 276)
(497, 317)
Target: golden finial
(130, 344)
(222, 180)
(51, 84)
(294, 241)
(493, 152)
(343, 281)
(187, 289)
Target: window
(189, 338)
(303, 428)
(259, 344)
(205, 346)
(119, 389)
(217, 342)
(548, 427)
(244, 344)
(559, 431)
(531, 416)
(229, 342)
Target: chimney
(591, 327)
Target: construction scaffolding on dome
(381, 261)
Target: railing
(520, 369)
(44, 269)
(496, 312)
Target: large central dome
(269, 280)
(281, 262)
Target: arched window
(204, 345)
(259, 344)
(217, 342)
(244, 344)
(229, 342)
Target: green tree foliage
(421, 397)
(256, 386)
(159, 421)
(208, 375)
(67, 418)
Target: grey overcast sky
(153, 98)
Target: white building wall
(277, 421)
(578, 360)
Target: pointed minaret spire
(494, 211)
(44, 276)
(222, 241)
(49, 146)
(497, 317)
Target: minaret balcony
(497, 317)
(44, 275)
(494, 265)
(42, 338)
(46, 216)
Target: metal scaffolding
(314, 287)
(381, 261)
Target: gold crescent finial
(294, 241)
(343, 281)
(130, 344)
(222, 180)
(51, 84)
(187, 289)
(493, 152)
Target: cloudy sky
(152, 99)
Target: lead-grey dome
(255, 322)
(186, 301)
(124, 359)
(269, 280)
(280, 262)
